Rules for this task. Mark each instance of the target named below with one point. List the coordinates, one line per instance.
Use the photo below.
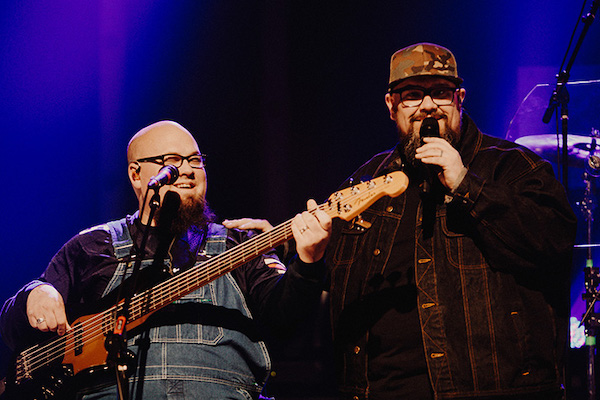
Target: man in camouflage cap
(458, 287)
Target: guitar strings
(92, 328)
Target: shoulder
(509, 160)
(502, 148)
(98, 238)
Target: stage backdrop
(285, 97)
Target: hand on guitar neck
(46, 310)
(311, 230)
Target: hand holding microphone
(429, 128)
(442, 160)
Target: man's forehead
(162, 140)
(424, 81)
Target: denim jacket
(492, 262)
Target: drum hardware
(592, 274)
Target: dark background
(285, 97)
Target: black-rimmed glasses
(176, 160)
(412, 96)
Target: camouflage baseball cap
(423, 59)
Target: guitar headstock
(348, 203)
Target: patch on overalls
(276, 264)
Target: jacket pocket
(461, 251)
(351, 235)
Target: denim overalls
(194, 360)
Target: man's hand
(248, 223)
(437, 151)
(46, 310)
(311, 232)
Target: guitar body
(50, 382)
(83, 367)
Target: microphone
(166, 176)
(429, 128)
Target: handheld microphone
(429, 128)
(166, 176)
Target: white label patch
(276, 264)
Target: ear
(461, 96)
(134, 175)
(391, 105)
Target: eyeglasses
(176, 160)
(412, 96)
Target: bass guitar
(48, 370)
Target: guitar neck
(184, 283)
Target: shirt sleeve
(14, 324)
(65, 272)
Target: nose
(428, 103)
(185, 168)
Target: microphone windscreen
(429, 128)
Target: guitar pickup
(78, 339)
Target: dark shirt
(397, 367)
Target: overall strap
(121, 239)
(216, 241)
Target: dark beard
(412, 140)
(190, 213)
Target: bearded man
(207, 344)
(458, 288)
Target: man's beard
(192, 213)
(412, 140)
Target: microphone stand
(116, 341)
(592, 279)
(560, 96)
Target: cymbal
(583, 112)
(549, 146)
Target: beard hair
(193, 213)
(412, 140)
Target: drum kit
(582, 141)
(579, 169)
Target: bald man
(207, 344)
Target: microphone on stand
(166, 176)
(429, 128)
